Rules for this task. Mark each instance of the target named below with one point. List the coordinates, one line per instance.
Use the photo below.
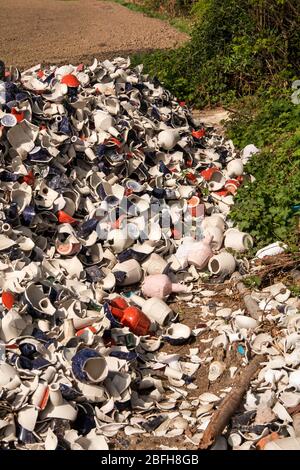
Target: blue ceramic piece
(49, 78)
(39, 334)
(10, 91)
(101, 192)
(40, 363)
(72, 94)
(131, 254)
(120, 276)
(21, 96)
(85, 420)
(28, 215)
(13, 359)
(111, 318)
(94, 274)
(27, 350)
(35, 313)
(78, 363)
(64, 126)
(128, 87)
(69, 393)
(100, 150)
(39, 155)
(11, 214)
(59, 181)
(16, 253)
(163, 168)
(8, 176)
(25, 436)
(155, 113)
(102, 166)
(24, 363)
(87, 227)
(128, 356)
(159, 193)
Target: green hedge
(267, 207)
(236, 45)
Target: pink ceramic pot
(160, 286)
(201, 253)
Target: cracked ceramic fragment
(216, 369)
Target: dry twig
(230, 403)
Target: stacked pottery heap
(112, 200)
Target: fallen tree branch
(230, 403)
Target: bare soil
(74, 31)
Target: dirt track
(55, 31)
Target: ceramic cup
(238, 241)
(130, 270)
(235, 168)
(217, 236)
(223, 263)
(155, 309)
(105, 122)
(89, 367)
(167, 139)
(200, 253)
(155, 264)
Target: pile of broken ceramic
(112, 200)
(269, 418)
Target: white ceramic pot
(217, 236)
(119, 240)
(235, 167)
(12, 325)
(167, 139)
(9, 377)
(22, 137)
(27, 417)
(105, 122)
(214, 220)
(271, 250)
(38, 300)
(238, 241)
(223, 263)
(155, 264)
(132, 269)
(155, 309)
(248, 152)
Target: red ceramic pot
(70, 80)
(207, 174)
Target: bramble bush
(266, 208)
(235, 47)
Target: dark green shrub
(265, 208)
